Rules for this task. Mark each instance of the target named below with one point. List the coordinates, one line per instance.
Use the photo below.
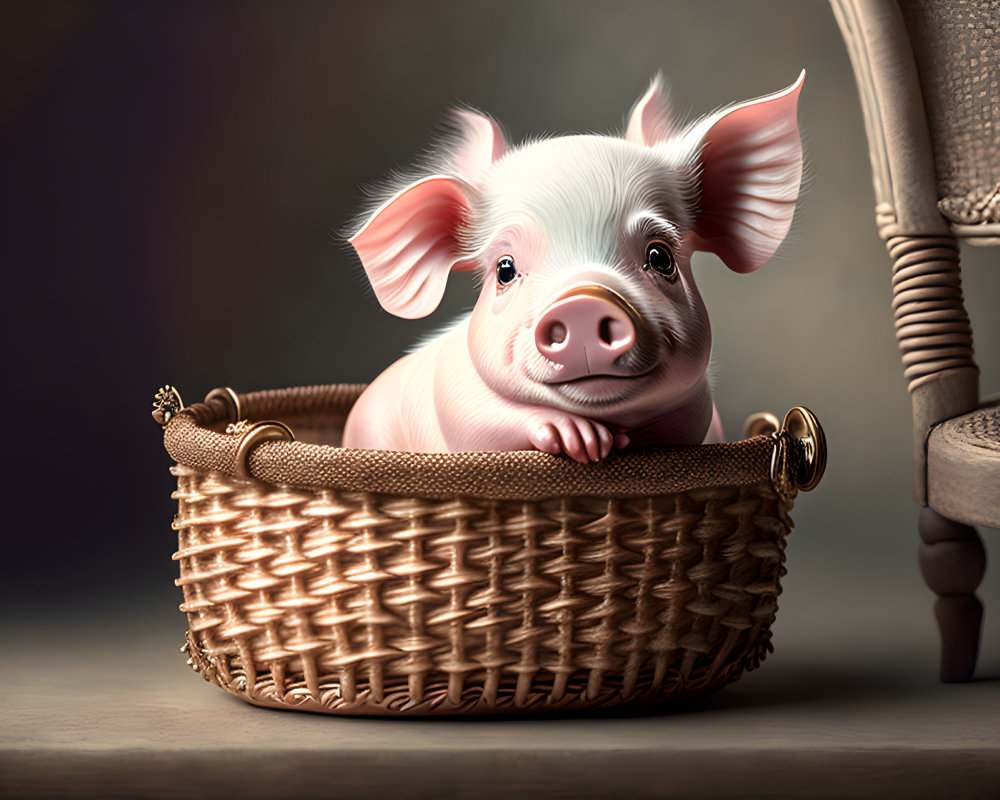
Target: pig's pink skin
(566, 336)
(572, 211)
(438, 419)
(482, 386)
(455, 394)
(477, 419)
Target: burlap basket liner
(375, 582)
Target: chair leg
(953, 561)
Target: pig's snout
(586, 330)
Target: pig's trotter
(581, 439)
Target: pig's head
(584, 246)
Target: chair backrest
(955, 47)
(929, 80)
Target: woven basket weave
(374, 582)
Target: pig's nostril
(614, 332)
(554, 336)
(604, 330)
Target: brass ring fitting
(258, 433)
(231, 400)
(802, 469)
(760, 424)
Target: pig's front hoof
(581, 439)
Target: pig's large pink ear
(409, 245)
(649, 121)
(479, 142)
(751, 168)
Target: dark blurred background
(172, 178)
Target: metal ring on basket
(762, 423)
(799, 457)
(258, 433)
(229, 398)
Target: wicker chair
(928, 72)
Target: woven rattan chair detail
(928, 72)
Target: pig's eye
(660, 259)
(506, 271)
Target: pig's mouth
(599, 377)
(598, 381)
(600, 389)
(623, 370)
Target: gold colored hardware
(166, 404)
(238, 428)
(780, 477)
(760, 424)
(259, 432)
(230, 398)
(798, 460)
(804, 426)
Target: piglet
(589, 333)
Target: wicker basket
(375, 582)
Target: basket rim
(514, 475)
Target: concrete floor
(847, 709)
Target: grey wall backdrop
(173, 173)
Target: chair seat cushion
(963, 467)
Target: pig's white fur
(481, 384)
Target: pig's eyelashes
(660, 259)
(506, 271)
